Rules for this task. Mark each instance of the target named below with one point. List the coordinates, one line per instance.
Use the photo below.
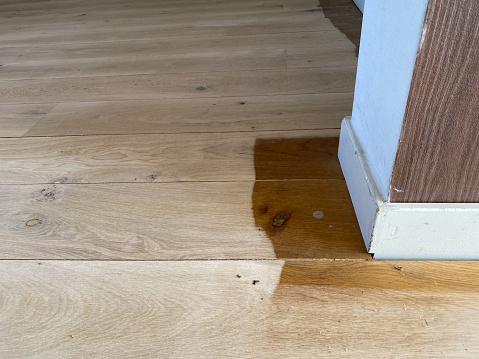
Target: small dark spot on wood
(280, 219)
(43, 190)
(242, 102)
(40, 263)
(253, 128)
(71, 336)
(255, 281)
(313, 10)
(238, 276)
(49, 194)
(153, 177)
(200, 88)
(264, 209)
(33, 222)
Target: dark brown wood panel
(437, 157)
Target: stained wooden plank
(189, 85)
(435, 160)
(172, 221)
(212, 309)
(260, 113)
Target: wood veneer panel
(437, 157)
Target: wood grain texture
(308, 219)
(66, 309)
(172, 221)
(246, 114)
(16, 120)
(186, 85)
(436, 159)
(163, 158)
(148, 64)
(179, 45)
(191, 24)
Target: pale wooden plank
(187, 25)
(145, 158)
(260, 113)
(194, 85)
(322, 57)
(151, 64)
(16, 120)
(37, 8)
(72, 12)
(182, 45)
(190, 220)
(203, 309)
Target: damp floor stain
(295, 180)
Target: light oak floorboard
(177, 221)
(63, 309)
(187, 85)
(260, 113)
(331, 40)
(150, 64)
(248, 23)
(149, 158)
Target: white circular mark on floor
(318, 214)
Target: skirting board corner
(405, 231)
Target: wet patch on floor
(300, 200)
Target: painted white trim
(421, 231)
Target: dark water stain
(414, 276)
(296, 178)
(346, 17)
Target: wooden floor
(169, 188)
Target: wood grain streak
(436, 159)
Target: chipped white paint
(445, 231)
(318, 214)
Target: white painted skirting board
(433, 231)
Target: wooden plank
(436, 159)
(151, 64)
(188, 25)
(16, 120)
(260, 113)
(321, 57)
(172, 221)
(165, 158)
(184, 45)
(203, 309)
(194, 85)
